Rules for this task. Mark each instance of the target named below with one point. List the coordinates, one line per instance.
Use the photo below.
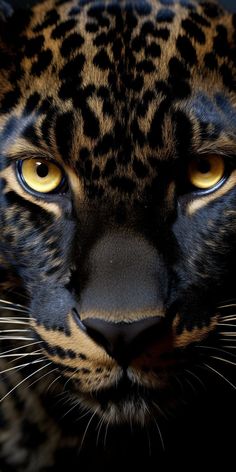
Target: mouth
(124, 391)
(128, 398)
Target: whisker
(40, 351)
(71, 409)
(230, 338)
(215, 349)
(86, 413)
(12, 303)
(42, 376)
(196, 377)
(14, 330)
(21, 355)
(227, 333)
(51, 384)
(227, 324)
(99, 428)
(21, 366)
(191, 386)
(15, 338)
(24, 380)
(220, 375)
(87, 427)
(230, 347)
(16, 292)
(10, 319)
(223, 360)
(71, 377)
(159, 432)
(27, 323)
(181, 385)
(227, 306)
(159, 409)
(106, 432)
(20, 347)
(11, 308)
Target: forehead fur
(112, 87)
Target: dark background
(231, 4)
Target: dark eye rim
(60, 189)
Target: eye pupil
(42, 170)
(204, 167)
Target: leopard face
(118, 197)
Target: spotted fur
(121, 94)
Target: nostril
(78, 320)
(91, 327)
(123, 340)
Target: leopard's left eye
(40, 175)
(206, 172)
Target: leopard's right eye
(206, 172)
(40, 175)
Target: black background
(231, 4)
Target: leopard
(118, 234)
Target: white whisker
(21, 355)
(159, 409)
(181, 385)
(71, 377)
(230, 347)
(40, 351)
(230, 338)
(20, 347)
(86, 413)
(87, 427)
(220, 375)
(27, 323)
(191, 386)
(21, 366)
(227, 324)
(15, 330)
(10, 319)
(12, 303)
(51, 384)
(228, 318)
(24, 380)
(159, 432)
(223, 360)
(15, 338)
(227, 306)
(196, 377)
(99, 428)
(11, 308)
(106, 432)
(227, 333)
(42, 377)
(71, 409)
(215, 349)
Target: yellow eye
(206, 172)
(40, 175)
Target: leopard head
(118, 193)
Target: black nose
(123, 341)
